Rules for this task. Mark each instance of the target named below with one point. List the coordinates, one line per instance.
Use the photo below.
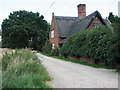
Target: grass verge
(83, 63)
(22, 69)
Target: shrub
(98, 44)
(54, 52)
(47, 47)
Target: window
(96, 24)
(53, 45)
(52, 34)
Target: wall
(56, 38)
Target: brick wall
(81, 10)
(56, 38)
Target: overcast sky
(59, 7)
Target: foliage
(98, 44)
(0, 38)
(54, 52)
(24, 29)
(22, 69)
(0, 44)
(47, 47)
(0, 32)
(113, 18)
(80, 62)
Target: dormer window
(52, 34)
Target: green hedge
(99, 44)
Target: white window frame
(52, 34)
(53, 45)
(96, 24)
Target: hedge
(99, 44)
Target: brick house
(62, 26)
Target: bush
(54, 52)
(96, 43)
(22, 69)
(47, 47)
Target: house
(62, 26)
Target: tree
(113, 18)
(0, 33)
(24, 29)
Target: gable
(96, 22)
(71, 25)
(84, 23)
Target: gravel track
(71, 75)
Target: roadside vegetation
(80, 62)
(99, 44)
(22, 69)
(24, 29)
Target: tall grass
(0, 70)
(22, 69)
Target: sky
(59, 7)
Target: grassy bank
(22, 69)
(80, 62)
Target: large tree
(113, 18)
(0, 32)
(24, 29)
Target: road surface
(71, 75)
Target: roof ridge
(67, 16)
(83, 23)
(89, 15)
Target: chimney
(52, 14)
(81, 10)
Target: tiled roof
(65, 24)
(84, 23)
(71, 25)
(63, 41)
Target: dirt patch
(87, 60)
(72, 58)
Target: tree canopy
(113, 18)
(0, 33)
(24, 29)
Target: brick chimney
(81, 10)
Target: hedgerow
(99, 44)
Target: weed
(22, 69)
